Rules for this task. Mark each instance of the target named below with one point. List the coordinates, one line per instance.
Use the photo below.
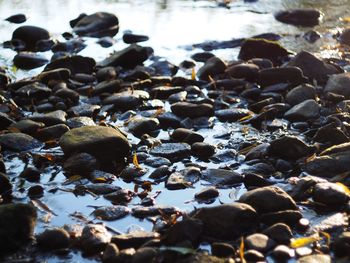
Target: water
(171, 26)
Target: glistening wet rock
(299, 17)
(222, 177)
(19, 142)
(103, 142)
(13, 237)
(191, 110)
(290, 147)
(52, 239)
(99, 24)
(268, 199)
(330, 194)
(306, 110)
(301, 93)
(212, 67)
(17, 18)
(75, 64)
(28, 60)
(30, 35)
(94, 239)
(339, 84)
(227, 222)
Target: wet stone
(144, 254)
(281, 233)
(282, 253)
(207, 193)
(222, 177)
(17, 18)
(94, 239)
(19, 142)
(161, 172)
(133, 239)
(228, 221)
(101, 188)
(203, 150)
(143, 212)
(51, 133)
(288, 217)
(330, 194)
(75, 64)
(300, 94)
(51, 118)
(77, 122)
(110, 254)
(339, 84)
(252, 255)
(5, 185)
(140, 126)
(268, 199)
(191, 110)
(232, 114)
(80, 163)
(222, 250)
(31, 174)
(187, 136)
(157, 162)
(111, 213)
(129, 173)
(121, 196)
(30, 35)
(299, 17)
(172, 151)
(130, 38)
(315, 258)
(28, 60)
(306, 110)
(342, 245)
(259, 242)
(36, 192)
(176, 181)
(53, 239)
(213, 66)
(332, 223)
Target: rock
(130, 38)
(35, 192)
(110, 254)
(120, 197)
(330, 194)
(232, 114)
(268, 199)
(28, 60)
(252, 255)
(313, 67)
(51, 133)
(172, 151)
(228, 221)
(243, 71)
(101, 188)
(34, 90)
(99, 24)
(255, 180)
(222, 177)
(203, 150)
(30, 35)
(186, 135)
(17, 18)
(176, 181)
(127, 58)
(301, 93)
(207, 194)
(164, 92)
(144, 254)
(133, 239)
(157, 162)
(191, 110)
(222, 250)
(341, 245)
(282, 253)
(344, 37)
(70, 96)
(5, 185)
(80, 163)
(312, 36)
(339, 84)
(31, 174)
(60, 75)
(51, 118)
(104, 143)
(140, 126)
(290, 147)
(124, 101)
(111, 213)
(18, 142)
(164, 68)
(143, 212)
(259, 242)
(315, 259)
(52, 239)
(77, 122)
(94, 239)
(260, 48)
(257, 152)
(75, 64)
(87, 110)
(27, 126)
(289, 217)
(188, 229)
(273, 76)
(160, 172)
(202, 56)
(129, 173)
(5, 121)
(299, 17)
(306, 110)
(13, 237)
(330, 134)
(212, 67)
(281, 233)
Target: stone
(344, 37)
(172, 151)
(282, 253)
(287, 74)
(313, 67)
(281, 233)
(290, 147)
(164, 68)
(212, 67)
(94, 239)
(203, 150)
(127, 58)
(259, 242)
(306, 110)
(19, 142)
(134, 239)
(50, 118)
(243, 71)
(299, 17)
(268, 199)
(111, 213)
(100, 188)
(29, 60)
(110, 254)
(13, 237)
(301, 93)
(52, 239)
(105, 143)
(339, 84)
(120, 197)
(252, 255)
(99, 24)
(228, 221)
(80, 163)
(51, 133)
(30, 35)
(31, 174)
(77, 122)
(191, 110)
(222, 177)
(17, 18)
(261, 48)
(176, 181)
(139, 126)
(5, 186)
(232, 114)
(341, 245)
(5, 121)
(207, 193)
(87, 110)
(75, 64)
(130, 38)
(330, 194)
(186, 135)
(222, 250)
(315, 259)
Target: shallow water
(173, 26)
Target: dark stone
(111, 213)
(282, 253)
(110, 254)
(5, 121)
(127, 58)
(134, 239)
(130, 172)
(271, 76)
(260, 48)
(60, 74)
(13, 237)
(281, 233)
(30, 35)
(339, 84)
(130, 38)
(18, 142)
(232, 114)
(73, 22)
(106, 42)
(290, 147)
(186, 135)
(222, 177)
(51, 133)
(80, 163)
(99, 24)
(203, 150)
(28, 60)
(52, 239)
(228, 221)
(330, 194)
(51, 118)
(300, 94)
(341, 245)
(207, 193)
(304, 111)
(299, 17)
(17, 18)
(31, 174)
(164, 68)
(253, 256)
(105, 143)
(212, 67)
(222, 250)
(259, 242)
(35, 192)
(268, 199)
(75, 64)
(5, 185)
(172, 151)
(140, 126)
(243, 71)
(191, 110)
(94, 239)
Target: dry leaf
(303, 241)
(41, 205)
